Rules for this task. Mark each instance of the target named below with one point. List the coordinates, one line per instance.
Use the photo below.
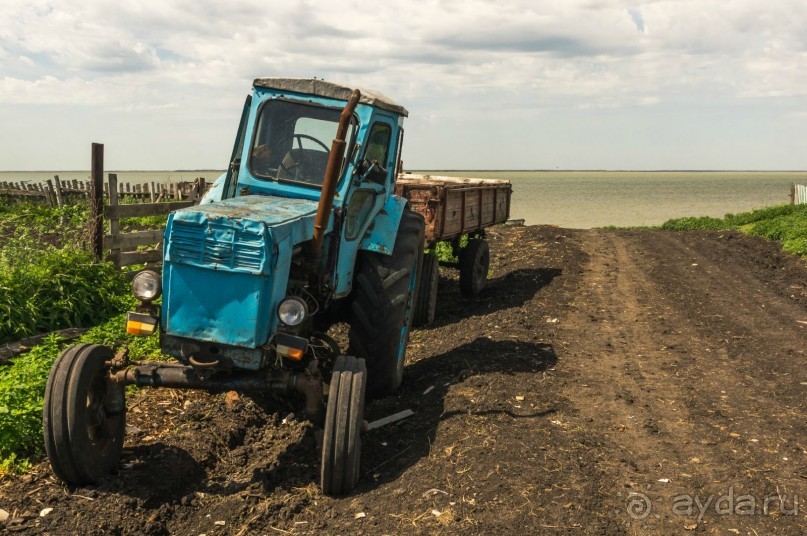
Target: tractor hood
(284, 217)
(226, 267)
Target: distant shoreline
(432, 170)
(113, 171)
(613, 170)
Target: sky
(512, 84)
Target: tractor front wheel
(344, 423)
(84, 415)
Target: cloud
(197, 57)
(558, 47)
(636, 17)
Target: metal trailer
(453, 207)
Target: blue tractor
(304, 230)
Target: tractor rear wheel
(344, 423)
(426, 304)
(384, 293)
(474, 265)
(84, 415)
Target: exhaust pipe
(332, 176)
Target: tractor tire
(384, 294)
(426, 304)
(83, 435)
(474, 265)
(344, 423)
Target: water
(584, 199)
(579, 199)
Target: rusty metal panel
(452, 206)
(424, 200)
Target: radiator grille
(217, 246)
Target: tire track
(660, 374)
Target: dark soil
(603, 382)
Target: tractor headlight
(146, 286)
(292, 311)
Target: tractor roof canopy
(321, 88)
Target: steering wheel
(301, 137)
(288, 166)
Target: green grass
(786, 224)
(46, 289)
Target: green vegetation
(46, 289)
(444, 251)
(786, 224)
(22, 388)
(47, 282)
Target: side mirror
(372, 171)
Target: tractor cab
(252, 235)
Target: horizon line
(452, 170)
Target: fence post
(51, 194)
(58, 190)
(114, 224)
(97, 201)
(792, 193)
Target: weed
(22, 390)
(786, 224)
(46, 289)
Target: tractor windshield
(292, 141)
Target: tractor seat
(305, 165)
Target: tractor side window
(361, 202)
(378, 144)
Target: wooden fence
(125, 249)
(55, 192)
(798, 194)
(112, 202)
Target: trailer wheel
(84, 415)
(344, 420)
(384, 294)
(474, 265)
(426, 303)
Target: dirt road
(607, 382)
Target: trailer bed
(453, 206)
